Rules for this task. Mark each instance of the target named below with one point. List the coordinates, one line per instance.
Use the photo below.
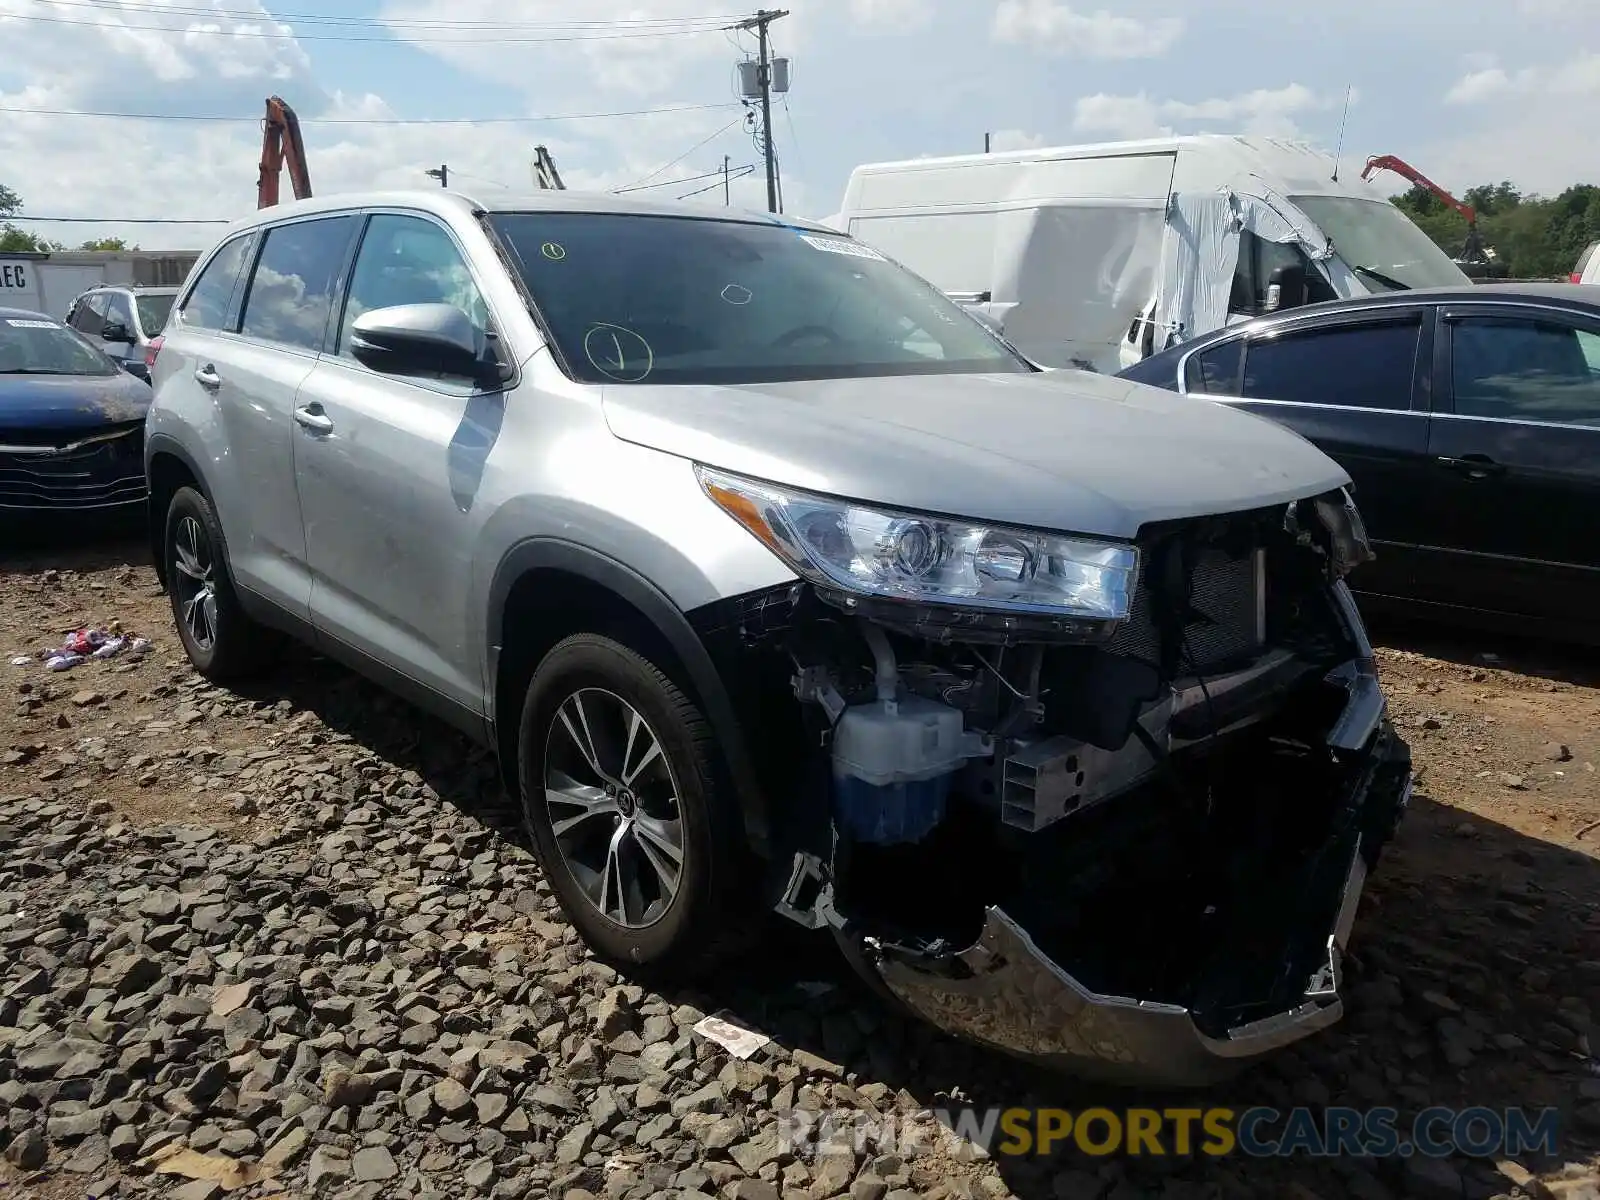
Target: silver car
(777, 582)
(125, 322)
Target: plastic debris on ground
(735, 1039)
(81, 645)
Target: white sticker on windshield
(842, 246)
(20, 323)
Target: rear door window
(90, 315)
(292, 290)
(1371, 365)
(210, 301)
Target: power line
(256, 120)
(736, 173)
(122, 220)
(666, 166)
(290, 35)
(640, 187)
(257, 16)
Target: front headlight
(981, 569)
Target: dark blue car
(71, 421)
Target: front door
(1516, 472)
(389, 469)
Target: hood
(1060, 450)
(71, 402)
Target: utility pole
(986, 143)
(759, 23)
(441, 173)
(725, 200)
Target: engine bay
(1170, 816)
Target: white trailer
(1096, 256)
(49, 282)
(33, 282)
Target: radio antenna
(1339, 149)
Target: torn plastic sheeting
(1069, 278)
(1199, 256)
(1275, 218)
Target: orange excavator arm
(281, 147)
(1388, 162)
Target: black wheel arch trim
(670, 622)
(162, 443)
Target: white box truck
(1097, 256)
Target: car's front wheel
(222, 642)
(621, 790)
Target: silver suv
(777, 582)
(125, 322)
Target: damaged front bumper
(1004, 992)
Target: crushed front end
(1128, 844)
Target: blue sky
(1469, 91)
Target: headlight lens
(931, 560)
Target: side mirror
(410, 339)
(115, 331)
(1287, 287)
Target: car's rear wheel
(625, 804)
(220, 640)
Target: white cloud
(64, 165)
(1526, 131)
(1266, 111)
(1477, 86)
(1015, 139)
(891, 15)
(1061, 29)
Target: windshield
(1374, 238)
(37, 346)
(153, 310)
(645, 299)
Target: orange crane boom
(1474, 250)
(281, 147)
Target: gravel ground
(290, 941)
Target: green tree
(1537, 237)
(106, 244)
(12, 237)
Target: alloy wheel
(196, 583)
(612, 800)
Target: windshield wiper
(29, 371)
(1388, 281)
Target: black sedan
(1469, 419)
(71, 421)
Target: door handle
(1474, 466)
(207, 376)
(313, 418)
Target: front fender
(556, 554)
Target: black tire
(691, 929)
(237, 646)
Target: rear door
(1516, 449)
(1354, 384)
